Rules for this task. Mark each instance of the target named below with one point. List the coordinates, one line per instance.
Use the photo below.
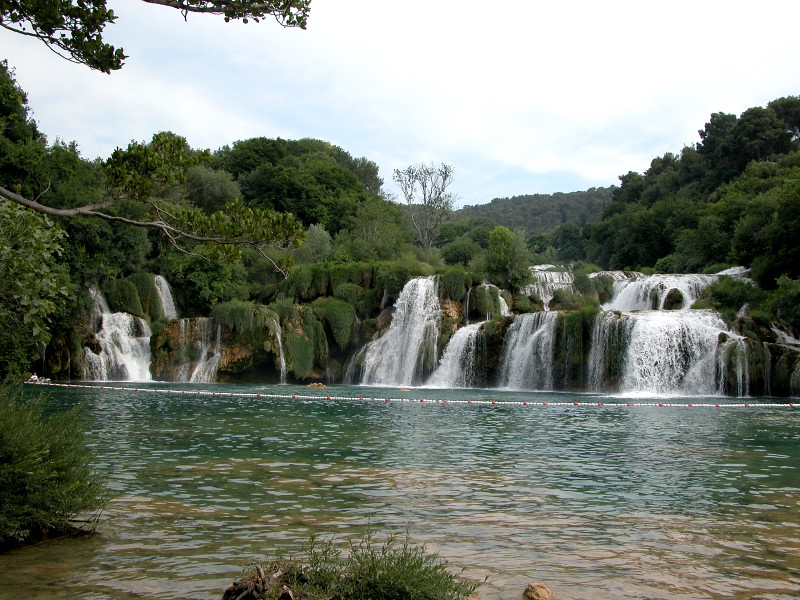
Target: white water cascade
(124, 345)
(209, 352)
(281, 356)
(398, 356)
(650, 292)
(457, 367)
(165, 295)
(527, 359)
(545, 283)
(663, 352)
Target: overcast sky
(519, 96)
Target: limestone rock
(537, 591)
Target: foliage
(394, 570)
(424, 188)
(339, 315)
(123, 296)
(210, 189)
(317, 246)
(45, 468)
(453, 283)
(786, 303)
(74, 28)
(32, 285)
(540, 213)
(508, 259)
(244, 318)
(349, 292)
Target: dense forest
(540, 213)
(337, 248)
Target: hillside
(536, 213)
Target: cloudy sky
(520, 96)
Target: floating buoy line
(613, 403)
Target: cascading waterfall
(545, 283)
(527, 359)
(663, 352)
(402, 354)
(124, 345)
(201, 348)
(165, 295)
(651, 292)
(457, 367)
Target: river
(600, 500)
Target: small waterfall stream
(282, 358)
(165, 295)
(400, 355)
(651, 292)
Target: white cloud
(520, 97)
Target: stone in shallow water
(537, 591)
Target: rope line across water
(429, 401)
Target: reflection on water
(600, 502)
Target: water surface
(601, 502)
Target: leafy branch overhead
(73, 29)
(145, 174)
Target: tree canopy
(74, 29)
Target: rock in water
(537, 591)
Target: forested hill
(536, 213)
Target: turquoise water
(601, 502)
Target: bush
(394, 570)
(45, 469)
(728, 295)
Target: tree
(73, 29)
(140, 176)
(31, 284)
(508, 259)
(424, 188)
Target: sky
(519, 97)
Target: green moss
(340, 317)
(122, 296)
(349, 292)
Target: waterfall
(457, 367)
(124, 345)
(545, 283)
(165, 295)
(651, 292)
(402, 354)
(665, 352)
(208, 358)
(201, 349)
(466, 307)
(280, 350)
(527, 357)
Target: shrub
(786, 303)
(394, 570)
(45, 469)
